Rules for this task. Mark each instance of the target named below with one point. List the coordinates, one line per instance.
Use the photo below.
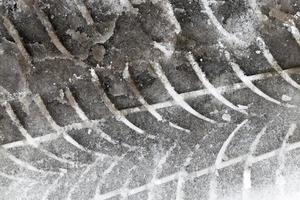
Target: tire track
(205, 171)
(186, 95)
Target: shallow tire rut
(155, 99)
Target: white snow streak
(180, 101)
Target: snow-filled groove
(295, 32)
(87, 15)
(29, 138)
(104, 175)
(84, 11)
(177, 98)
(182, 175)
(255, 8)
(21, 163)
(266, 52)
(203, 92)
(213, 182)
(119, 116)
(81, 177)
(288, 21)
(227, 36)
(280, 179)
(53, 186)
(84, 117)
(127, 77)
(75, 105)
(201, 75)
(40, 103)
(248, 164)
(274, 64)
(15, 35)
(42, 107)
(50, 30)
(246, 80)
(54, 135)
(17, 123)
(187, 95)
(168, 10)
(156, 171)
(141, 99)
(15, 178)
(124, 190)
(202, 172)
(7, 94)
(45, 21)
(180, 184)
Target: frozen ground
(149, 99)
